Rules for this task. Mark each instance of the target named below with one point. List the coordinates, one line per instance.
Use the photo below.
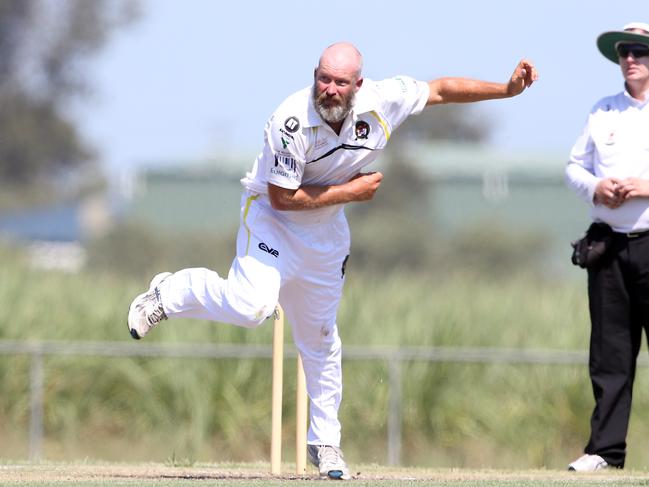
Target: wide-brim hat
(608, 41)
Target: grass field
(453, 415)
(240, 475)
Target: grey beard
(333, 114)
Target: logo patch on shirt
(284, 132)
(362, 129)
(320, 143)
(404, 87)
(292, 124)
(286, 162)
(611, 138)
(266, 248)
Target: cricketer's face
(334, 92)
(635, 69)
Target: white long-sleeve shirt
(614, 143)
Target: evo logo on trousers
(266, 248)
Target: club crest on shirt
(362, 129)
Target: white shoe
(588, 463)
(146, 310)
(329, 460)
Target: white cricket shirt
(300, 148)
(614, 143)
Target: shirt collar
(313, 119)
(635, 101)
(366, 100)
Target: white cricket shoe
(329, 460)
(588, 463)
(146, 310)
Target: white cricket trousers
(301, 265)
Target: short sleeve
(285, 146)
(402, 96)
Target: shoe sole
(157, 279)
(133, 331)
(596, 469)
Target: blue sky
(197, 79)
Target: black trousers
(618, 293)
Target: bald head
(342, 57)
(336, 81)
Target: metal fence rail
(393, 356)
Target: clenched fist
(364, 185)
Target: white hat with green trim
(633, 33)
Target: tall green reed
(454, 414)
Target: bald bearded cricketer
(293, 241)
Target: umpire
(609, 169)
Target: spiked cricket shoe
(329, 460)
(146, 310)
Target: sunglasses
(636, 50)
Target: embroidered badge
(362, 129)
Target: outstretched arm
(463, 90)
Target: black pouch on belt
(592, 246)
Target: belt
(638, 234)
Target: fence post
(394, 413)
(36, 406)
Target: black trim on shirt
(342, 146)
